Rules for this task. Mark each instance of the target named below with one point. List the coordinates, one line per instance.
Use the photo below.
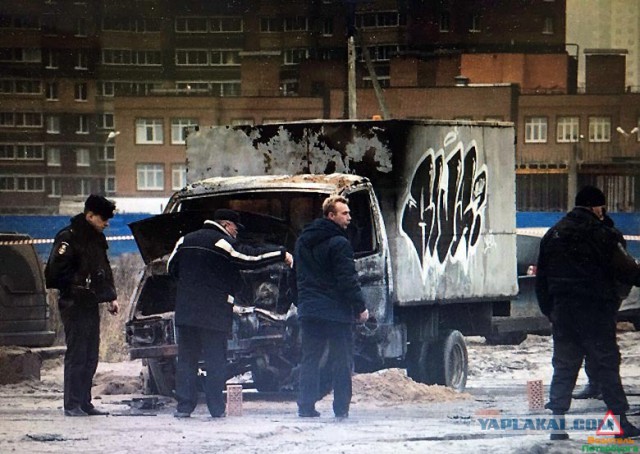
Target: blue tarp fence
(45, 227)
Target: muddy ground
(390, 413)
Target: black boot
(628, 429)
(560, 434)
(590, 391)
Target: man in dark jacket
(78, 266)
(329, 302)
(579, 265)
(205, 265)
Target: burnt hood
(157, 236)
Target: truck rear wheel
(441, 362)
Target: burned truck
(433, 230)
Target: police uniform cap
(100, 205)
(224, 214)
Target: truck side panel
(446, 192)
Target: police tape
(51, 240)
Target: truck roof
(330, 183)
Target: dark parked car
(24, 312)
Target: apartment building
(95, 95)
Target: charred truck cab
(433, 230)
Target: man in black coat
(78, 266)
(205, 265)
(579, 266)
(329, 302)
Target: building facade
(96, 95)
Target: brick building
(95, 95)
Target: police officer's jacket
(206, 266)
(78, 264)
(327, 281)
(581, 260)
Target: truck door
(366, 233)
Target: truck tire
(515, 338)
(442, 362)
(160, 377)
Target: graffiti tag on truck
(444, 209)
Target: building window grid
(52, 91)
(52, 59)
(474, 23)
(131, 57)
(83, 157)
(109, 185)
(21, 183)
(53, 157)
(53, 124)
(84, 187)
(80, 92)
(20, 86)
(107, 121)
(295, 56)
(216, 24)
(55, 188)
(270, 25)
(296, 24)
(107, 153)
(20, 55)
(535, 130)
(599, 129)
(548, 28)
(567, 129)
(83, 125)
(178, 176)
(378, 19)
(150, 177)
(379, 53)
(444, 24)
(149, 131)
(82, 60)
(179, 128)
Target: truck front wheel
(441, 362)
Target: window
(327, 26)
(53, 124)
(107, 121)
(25, 86)
(225, 24)
(150, 177)
(535, 130)
(83, 125)
(52, 91)
(547, 28)
(568, 129)
(107, 89)
(81, 26)
(295, 56)
(29, 152)
(51, 59)
(108, 153)
(379, 19)
(192, 57)
(270, 25)
(191, 25)
(242, 122)
(7, 151)
(83, 157)
(445, 22)
(7, 119)
(294, 24)
(179, 128)
(53, 157)
(289, 87)
(84, 187)
(225, 57)
(55, 188)
(21, 184)
(474, 23)
(178, 176)
(149, 131)
(28, 119)
(81, 60)
(599, 129)
(110, 185)
(379, 53)
(80, 91)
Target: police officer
(79, 268)
(580, 261)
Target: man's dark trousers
(212, 344)
(82, 335)
(317, 336)
(576, 335)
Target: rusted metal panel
(446, 191)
